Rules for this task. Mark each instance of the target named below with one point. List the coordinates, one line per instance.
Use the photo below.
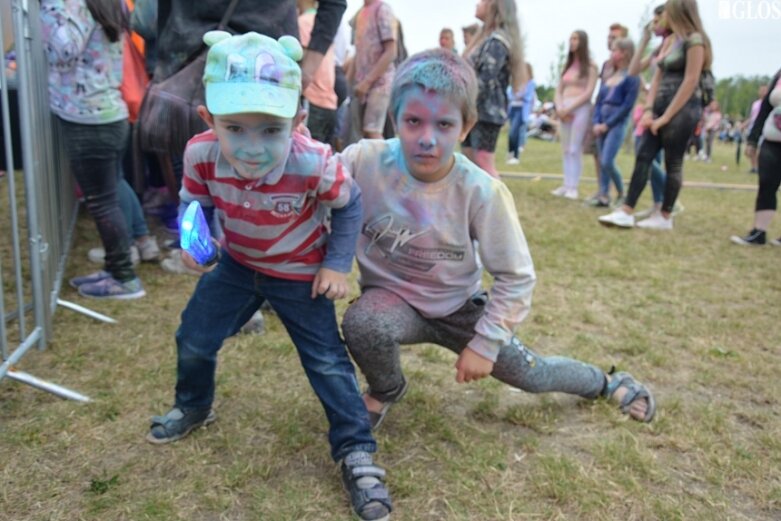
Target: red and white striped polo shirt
(275, 225)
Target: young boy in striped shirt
(271, 189)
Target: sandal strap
(364, 471)
(361, 497)
(376, 493)
(634, 391)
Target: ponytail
(111, 15)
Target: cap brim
(239, 97)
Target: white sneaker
(98, 255)
(571, 194)
(656, 222)
(148, 249)
(559, 192)
(174, 264)
(618, 218)
(513, 161)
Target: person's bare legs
(486, 160)
(763, 218)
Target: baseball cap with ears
(252, 73)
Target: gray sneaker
(178, 423)
(255, 325)
(111, 288)
(76, 282)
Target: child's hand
(361, 89)
(330, 283)
(599, 129)
(188, 261)
(471, 366)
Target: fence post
(50, 204)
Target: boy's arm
(345, 227)
(339, 191)
(505, 255)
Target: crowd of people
(324, 143)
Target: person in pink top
(320, 92)
(573, 106)
(712, 123)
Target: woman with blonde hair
(573, 107)
(673, 108)
(496, 53)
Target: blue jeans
(609, 145)
(94, 152)
(131, 209)
(517, 134)
(225, 299)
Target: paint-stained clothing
(491, 62)
(373, 26)
(85, 68)
(379, 322)
(277, 225)
(421, 240)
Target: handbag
(707, 87)
(168, 117)
(134, 77)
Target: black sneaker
(776, 242)
(754, 238)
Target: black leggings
(769, 175)
(673, 138)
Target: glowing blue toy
(194, 236)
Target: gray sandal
(387, 399)
(364, 482)
(635, 391)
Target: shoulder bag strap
(227, 16)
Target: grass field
(687, 312)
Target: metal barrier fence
(36, 235)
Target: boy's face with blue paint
(254, 144)
(430, 126)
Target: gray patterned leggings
(380, 321)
